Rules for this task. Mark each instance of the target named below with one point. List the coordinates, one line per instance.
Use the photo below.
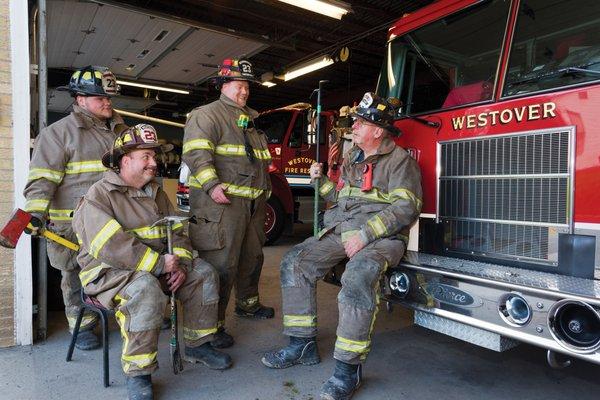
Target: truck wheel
(274, 220)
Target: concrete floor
(407, 362)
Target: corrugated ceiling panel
(196, 50)
(110, 43)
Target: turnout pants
(65, 260)
(231, 238)
(139, 306)
(358, 299)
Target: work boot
(259, 312)
(222, 339)
(300, 351)
(139, 387)
(87, 340)
(208, 356)
(344, 382)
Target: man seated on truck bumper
(377, 198)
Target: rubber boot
(208, 356)
(222, 339)
(259, 312)
(300, 351)
(139, 387)
(344, 382)
(87, 340)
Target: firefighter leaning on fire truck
(123, 261)
(229, 186)
(377, 198)
(65, 163)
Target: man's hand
(37, 222)
(171, 263)
(316, 171)
(353, 245)
(217, 193)
(175, 279)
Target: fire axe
(168, 222)
(22, 221)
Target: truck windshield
(556, 44)
(274, 124)
(447, 63)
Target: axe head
(12, 230)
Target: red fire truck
(291, 134)
(501, 108)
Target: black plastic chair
(90, 303)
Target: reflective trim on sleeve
(205, 175)
(107, 231)
(149, 233)
(326, 188)
(37, 205)
(346, 235)
(138, 361)
(352, 346)
(177, 225)
(50, 174)
(406, 195)
(60, 215)
(148, 261)
(243, 191)
(198, 144)
(300, 320)
(193, 182)
(377, 225)
(195, 334)
(181, 252)
(88, 275)
(82, 167)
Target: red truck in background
(501, 103)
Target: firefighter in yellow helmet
(123, 261)
(378, 197)
(65, 163)
(229, 186)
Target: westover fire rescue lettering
(508, 115)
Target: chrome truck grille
(507, 196)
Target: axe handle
(56, 238)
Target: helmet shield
(141, 136)
(92, 81)
(378, 111)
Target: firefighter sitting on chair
(122, 258)
(377, 198)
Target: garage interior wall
(7, 284)
(15, 265)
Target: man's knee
(208, 277)
(288, 266)
(359, 284)
(145, 303)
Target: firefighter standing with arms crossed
(65, 163)
(123, 257)
(377, 198)
(229, 186)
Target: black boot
(139, 387)
(87, 340)
(260, 312)
(300, 351)
(344, 382)
(222, 339)
(208, 356)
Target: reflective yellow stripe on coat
(37, 205)
(82, 167)
(45, 173)
(107, 231)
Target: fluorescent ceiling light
(269, 84)
(147, 118)
(307, 67)
(143, 85)
(333, 9)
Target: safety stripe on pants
(300, 320)
(87, 320)
(195, 334)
